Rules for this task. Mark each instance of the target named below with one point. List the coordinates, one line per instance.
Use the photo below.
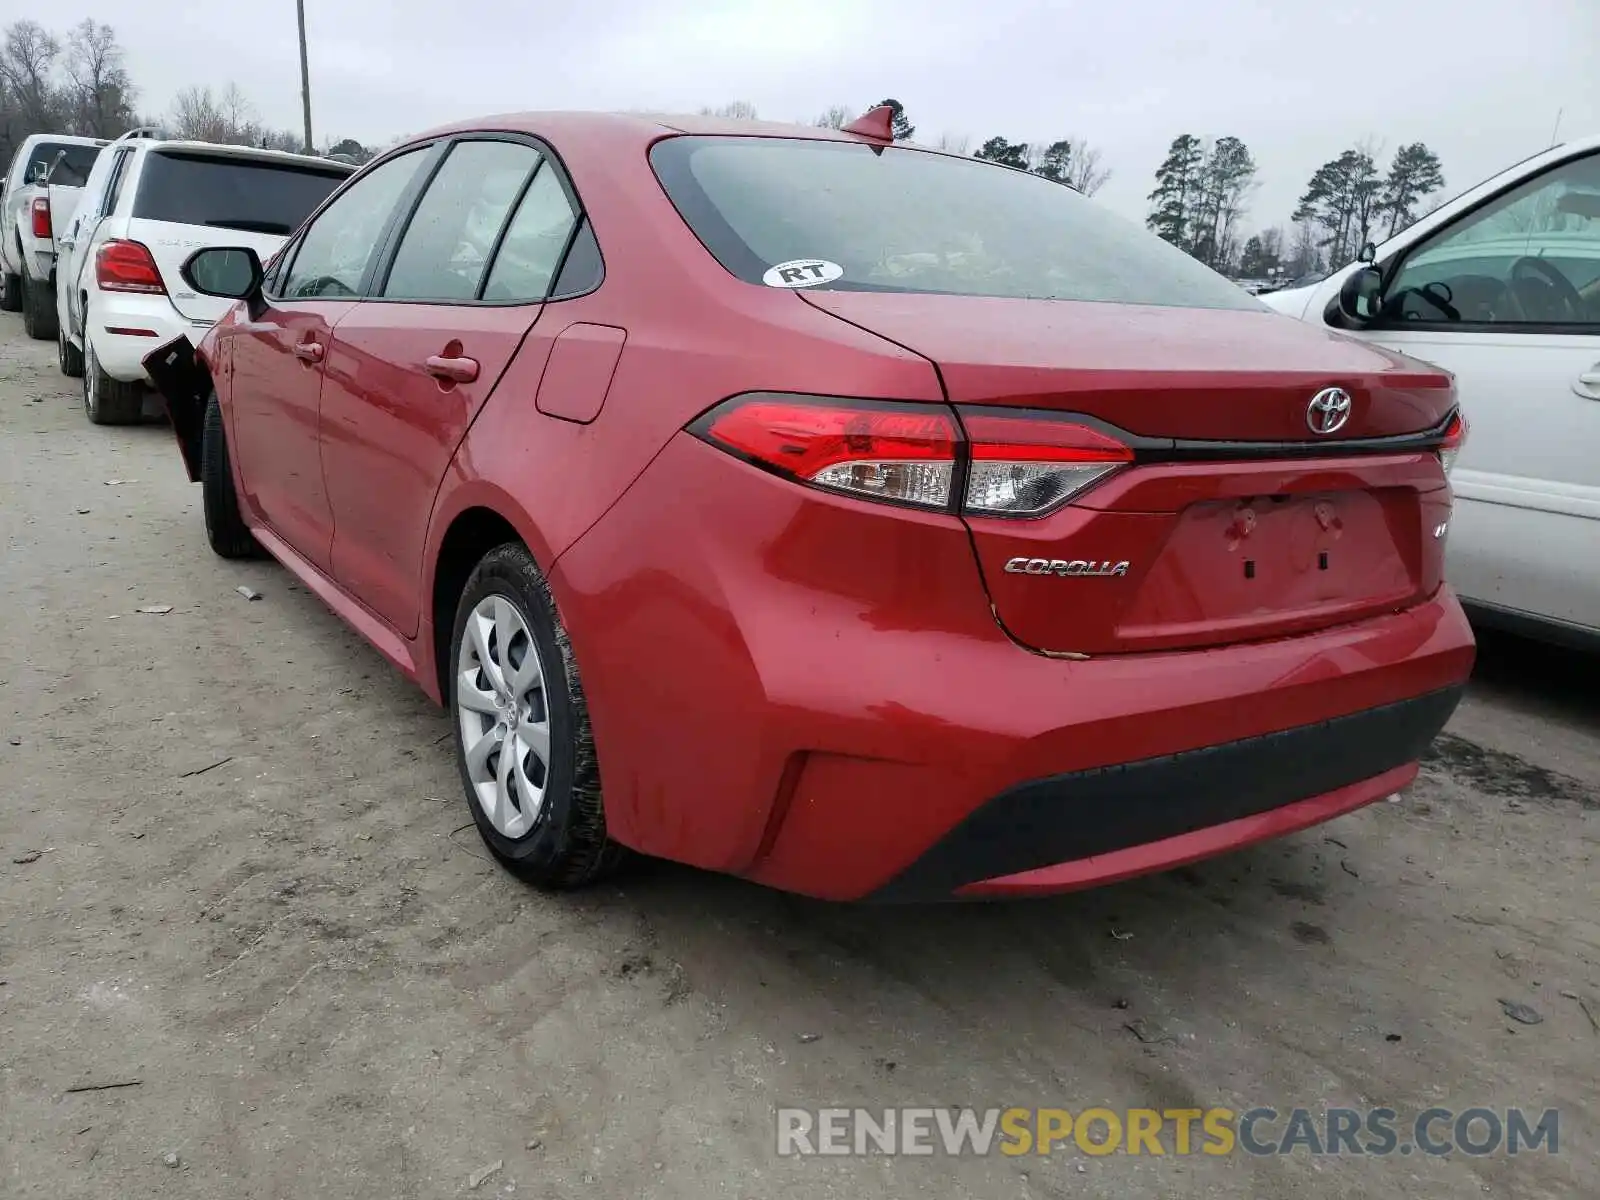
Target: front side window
(448, 242)
(1529, 257)
(336, 250)
(903, 220)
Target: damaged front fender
(183, 382)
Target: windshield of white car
(231, 192)
(897, 219)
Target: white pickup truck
(41, 192)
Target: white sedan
(1501, 286)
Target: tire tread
(578, 851)
(229, 536)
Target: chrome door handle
(456, 370)
(1587, 385)
(310, 352)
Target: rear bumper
(813, 693)
(1089, 827)
(151, 322)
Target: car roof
(642, 126)
(63, 139)
(256, 153)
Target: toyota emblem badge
(1328, 411)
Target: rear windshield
(903, 220)
(73, 168)
(231, 193)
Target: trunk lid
(1236, 521)
(1189, 373)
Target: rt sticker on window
(802, 272)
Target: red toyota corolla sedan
(858, 519)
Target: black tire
(10, 292)
(68, 357)
(38, 310)
(567, 846)
(108, 401)
(229, 536)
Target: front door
(1508, 299)
(279, 360)
(411, 367)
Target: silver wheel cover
(502, 709)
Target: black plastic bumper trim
(1062, 818)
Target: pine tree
(1007, 154)
(1177, 184)
(1055, 162)
(903, 129)
(1414, 175)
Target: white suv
(149, 204)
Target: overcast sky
(1481, 81)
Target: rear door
(410, 367)
(189, 197)
(278, 358)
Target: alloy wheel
(504, 716)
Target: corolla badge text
(1064, 567)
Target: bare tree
(27, 63)
(836, 117)
(954, 143)
(102, 91)
(239, 116)
(734, 110)
(228, 117)
(1085, 172)
(196, 116)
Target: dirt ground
(258, 894)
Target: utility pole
(305, 73)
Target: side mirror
(1369, 253)
(231, 272)
(1361, 295)
(1580, 204)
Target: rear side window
(903, 220)
(448, 242)
(119, 173)
(534, 242)
(71, 171)
(226, 192)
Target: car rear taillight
(1014, 464)
(1455, 435)
(41, 216)
(121, 266)
(1026, 466)
(902, 453)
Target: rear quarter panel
(695, 335)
